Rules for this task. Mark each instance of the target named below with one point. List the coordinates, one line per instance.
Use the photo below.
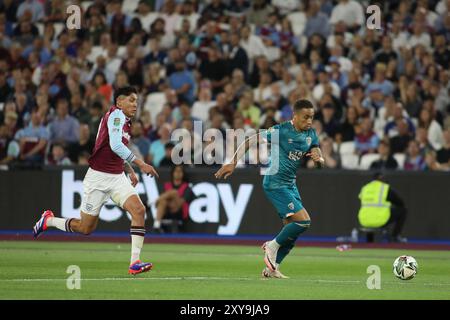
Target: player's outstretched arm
(316, 156)
(227, 169)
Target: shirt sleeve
(116, 121)
(314, 140)
(267, 134)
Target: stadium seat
(154, 102)
(350, 161)
(367, 159)
(347, 148)
(400, 158)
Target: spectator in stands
(346, 131)
(58, 156)
(183, 82)
(140, 140)
(252, 44)
(250, 112)
(443, 154)
(433, 128)
(366, 140)
(157, 147)
(386, 161)
(431, 162)
(84, 144)
(414, 160)
(64, 128)
(329, 122)
(237, 58)
(422, 139)
(215, 69)
(367, 72)
(258, 12)
(174, 202)
(201, 107)
(167, 160)
(317, 21)
(9, 148)
(33, 140)
(349, 11)
(400, 141)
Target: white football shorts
(99, 186)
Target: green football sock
(291, 231)
(283, 252)
(287, 237)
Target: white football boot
(266, 273)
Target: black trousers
(397, 220)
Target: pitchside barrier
(236, 206)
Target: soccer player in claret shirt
(105, 179)
(296, 139)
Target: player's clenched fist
(225, 171)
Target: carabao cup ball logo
(291, 206)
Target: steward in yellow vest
(375, 209)
(382, 206)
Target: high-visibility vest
(375, 209)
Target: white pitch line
(216, 278)
(176, 278)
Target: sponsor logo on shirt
(295, 155)
(117, 121)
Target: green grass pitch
(37, 270)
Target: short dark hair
(124, 91)
(302, 104)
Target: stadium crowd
(381, 96)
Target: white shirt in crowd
(200, 109)
(298, 22)
(423, 39)
(350, 12)
(254, 47)
(286, 6)
(319, 90)
(262, 95)
(441, 7)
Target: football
(405, 267)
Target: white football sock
(157, 224)
(274, 244)
(59, 223)
(137, 242)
